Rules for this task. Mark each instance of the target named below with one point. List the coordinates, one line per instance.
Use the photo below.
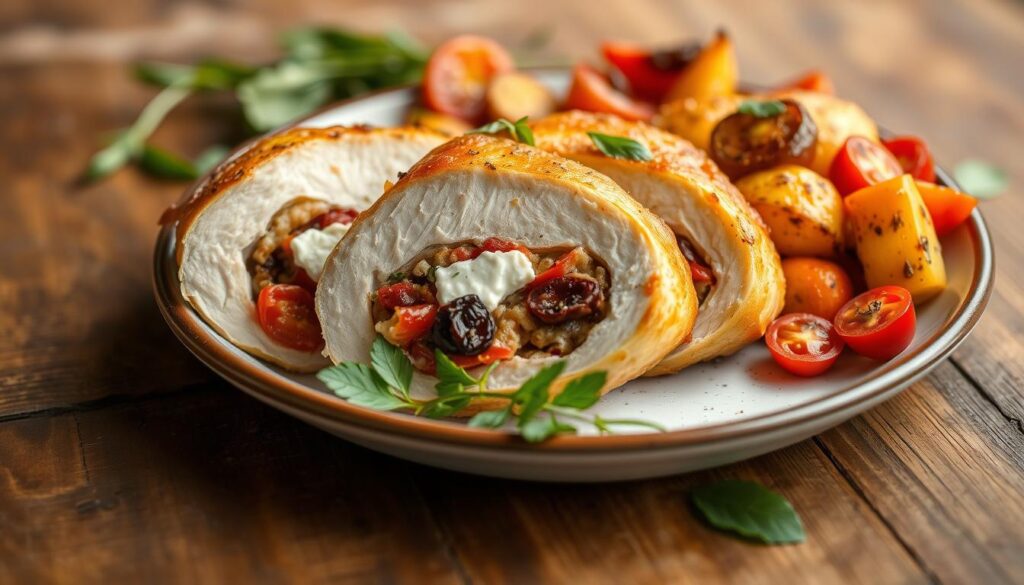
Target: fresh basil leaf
(278, 95)
(318, 42)
(583, 392)
(980, 179)
(490, 419)
(539, 430)
(210, 158)
(448, 371)
(211, 74)
(525, 134)
(166, 165)
(762, 109)
(358, 384)
(620, 147)
(391, 364)
(749, 509)
(496, 127)
(533, 394)
(443, 408)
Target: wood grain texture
(124, 460)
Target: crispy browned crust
(253, 157)
(677, 161)
(673, 302)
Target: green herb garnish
(620, 147)
(384, 385)
(750, 510)
(518, 130)
(319, 65)
(762, 109)
(980, 179)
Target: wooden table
(122, 459)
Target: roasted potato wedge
(514, 95)
(801, 208)
(438, 122)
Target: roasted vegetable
(801, 208)
(895, 238)
(815, 286)
(592, 92)
(516, 95)
(443, 123)
(948, 207)
(713, 72)
(763, 134)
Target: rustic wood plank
(946, 471)
(211, 487)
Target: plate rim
(216, 353)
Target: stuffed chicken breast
(734, 265)
(253, 237)
(491, 250)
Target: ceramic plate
(716, 413)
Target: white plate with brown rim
(715, 413)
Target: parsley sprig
(518, 130)
(385, 383)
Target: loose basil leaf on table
(980, 179)
(750, 510)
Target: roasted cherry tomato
(456, 77)
(560, 268)
(285, 313)
(744, 143)
(342, 216)
(948, 207)
(860, 163)
(400, 294)
(803, 344)
(814, 286)
(913, 155)
(592, 92)
(500, 245)
(412, 323)
(811, 81)
(651, 74)
(492, 354)
(878, 324)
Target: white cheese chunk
(312, 247)
(492, 276)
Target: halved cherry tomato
(560, 268)
(811, 81)
(803, 344)
(342, 216)
(878, 324)
(456, 77)
(285, 313)
(948, 207)
(411, 323)
(651, 74)
(860, 163)
(913, 155)
(399, 294)
(500, 245)
(492, 354)
(592, 92)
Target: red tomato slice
(878, 324)
(948, 207)
(860, 163)
(592, 92)
(492, 354)
(412, 323)
(500, 245)
(635, 63)
(558, 269)
(811, 81)
(456, 77)
(285, 313)
(913, 156)
(342, 216)
(700, 273)
(803, 344)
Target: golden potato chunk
(802, 210)
(515, 95)
(896, 239)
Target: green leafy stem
(385, 383)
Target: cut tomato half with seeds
(878, 324)
(803, 344)
(285, 313)
(860, 163)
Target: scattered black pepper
(896, 222)
(908, 270)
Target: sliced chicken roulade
(252, 238)
(490, 250)
(733, 261)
